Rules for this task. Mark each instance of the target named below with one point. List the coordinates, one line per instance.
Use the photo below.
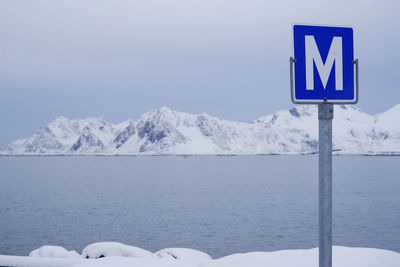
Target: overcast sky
(228, 58)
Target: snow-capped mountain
(165, 131)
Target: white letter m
(334, 55)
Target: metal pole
(325, 116)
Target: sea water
(217, 204)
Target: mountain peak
(61, 118)
(161, 114)
(394, 110)
(165, 109)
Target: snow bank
(183, 254)
(19, 261)
(342, 257)
(135, 262)
(109, 249)
(177, 257)
(54, 252)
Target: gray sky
(228, 58)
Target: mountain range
(168, 132)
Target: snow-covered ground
(115, 254)
(165, 131)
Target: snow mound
(183, 254)
(133, 262)
(109, 249)
(53, 252)
(342, 257)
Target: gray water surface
(217, 204)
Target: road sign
(324, 67)
(323, 71)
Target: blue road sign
(323, 65)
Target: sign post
(323, 71)
(325, 116)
